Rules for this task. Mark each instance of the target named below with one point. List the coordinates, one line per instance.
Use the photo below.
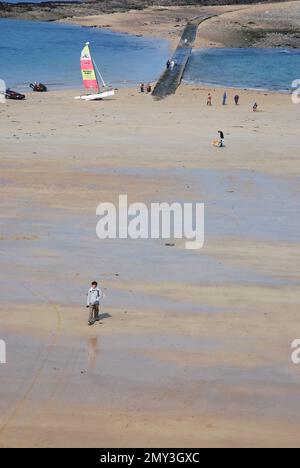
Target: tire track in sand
(20, 404)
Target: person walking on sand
(236, 99)
(142, 88)
(224, 99)
(209, 100)
(220, 142)
(149, 88)
(94, 297)
(222, 138)
(255, 106)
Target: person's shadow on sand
(104, 316)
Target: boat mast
(95, 66)
(98, 71)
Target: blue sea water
(272, 69)
(50, 52)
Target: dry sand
(194, 347)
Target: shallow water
(272, 69)
(238, 204)
(50, 53)
(123, 370)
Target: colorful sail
(88, 70)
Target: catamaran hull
(94, 97)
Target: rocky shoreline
(46, 11)
(52, 11)
(275, 25)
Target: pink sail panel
(88, 71)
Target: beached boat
(90, 74)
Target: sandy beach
(163, 22)
(257, 25)
(194, 347)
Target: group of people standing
(171, 64)
(236, 99)
(224, 100)
(146, 88)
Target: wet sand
(193, 348)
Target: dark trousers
(94, 313)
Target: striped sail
(88, 70)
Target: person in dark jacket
(222, 138)
(224, 98)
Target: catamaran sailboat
(89, 72)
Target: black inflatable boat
(10, 94)
(38, 87)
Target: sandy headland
(263, 25)
(193, 348)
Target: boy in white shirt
(94, 297)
